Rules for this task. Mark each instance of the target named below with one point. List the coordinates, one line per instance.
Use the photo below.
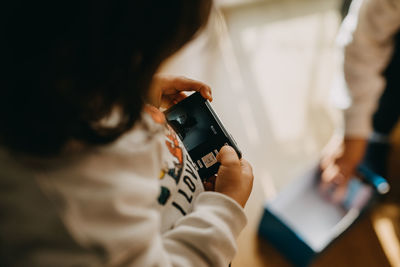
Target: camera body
(201, 132)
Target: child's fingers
(246, 167)
(174, 84)
(205, 92)
(186, 84)
(227, 156)
(209, 184)
(179, 97)
(175, 98)
(168, 101)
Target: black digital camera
(201, 132)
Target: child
(90, 175)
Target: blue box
(301, 224)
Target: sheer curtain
(271, 65)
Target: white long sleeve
(365, 58)
(109, 201)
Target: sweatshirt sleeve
(123, 222)
(210, 232)
(365, 58)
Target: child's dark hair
(68, 63)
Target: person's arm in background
(366, 56)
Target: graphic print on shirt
(180, 183)
(174, 147)
(172, 167)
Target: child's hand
(167, 90)
(235, 176)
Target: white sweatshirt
(369, 43)
(139, 202)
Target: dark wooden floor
(360, 245)
(357, 247)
